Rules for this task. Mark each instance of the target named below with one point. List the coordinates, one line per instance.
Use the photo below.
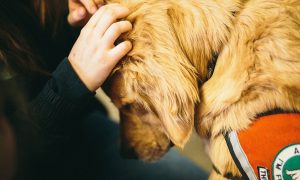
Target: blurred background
(194, 149)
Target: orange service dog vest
(269, 148)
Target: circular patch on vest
(286, 165)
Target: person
(7, 141)
(74, 138)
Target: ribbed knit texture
(62, 100)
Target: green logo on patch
(286, 165)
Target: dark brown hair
(51, 13)
(16, 53)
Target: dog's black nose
(128, 153)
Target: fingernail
(129, 44)
(81, 12)
(93, 9)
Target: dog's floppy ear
(168, 92)
(169, 89)
(158, 72)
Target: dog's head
(155, 86)
(156, 104)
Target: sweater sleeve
(61, 102)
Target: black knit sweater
(56, 103)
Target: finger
(74, 4)
(118, 52)
(76, 16)
(111, 13)
(99, 3)
(115, 30)
(94, 19)
(92, 23)
(89, 5)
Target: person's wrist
(83, 76)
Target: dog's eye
(126, 107)
(141, 110)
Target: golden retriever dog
(165, 83)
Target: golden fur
(160, 87)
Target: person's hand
(80, 11)
(94, 54)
